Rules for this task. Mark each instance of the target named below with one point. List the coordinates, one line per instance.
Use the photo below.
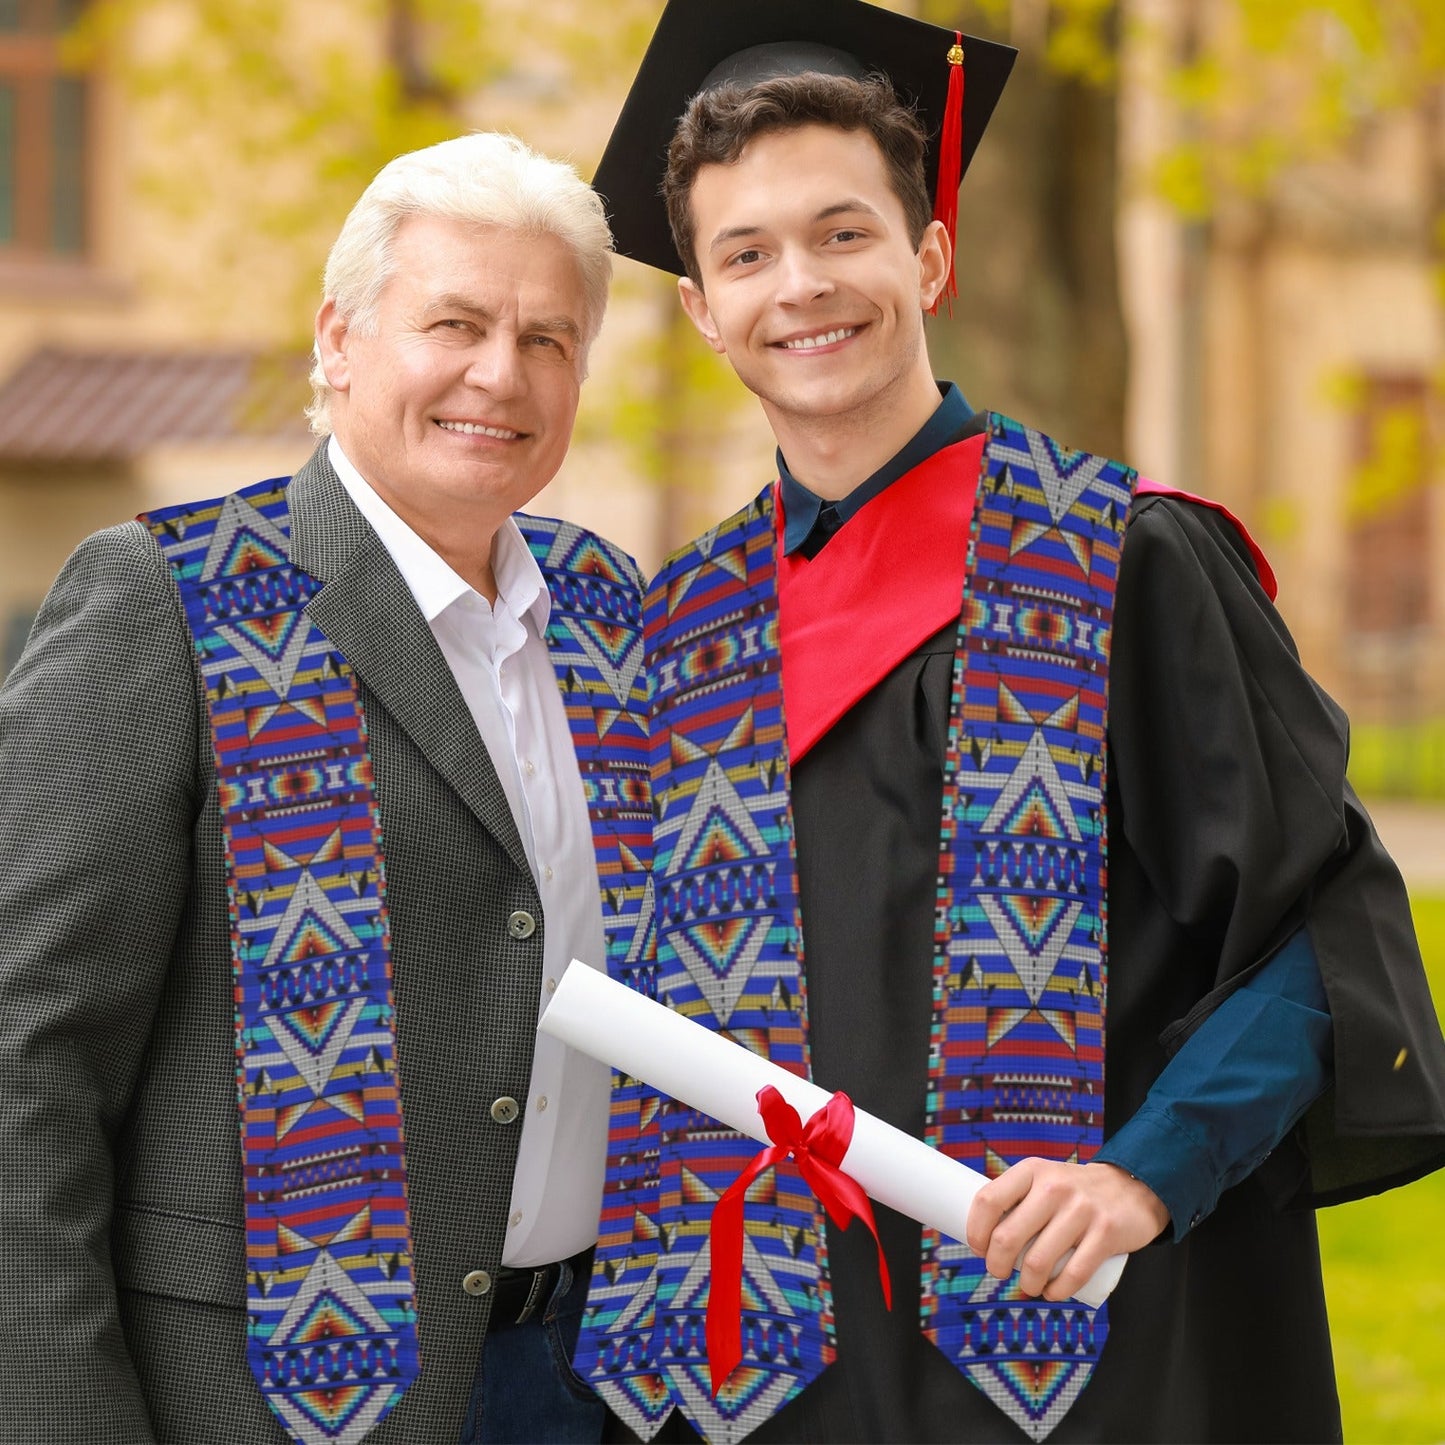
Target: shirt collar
(431, 579)
(519, 578)
(948, 423)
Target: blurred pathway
(1415, 835)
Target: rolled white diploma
(645, 1040)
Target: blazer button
(478, 1282)
(521, 924)
(505, 1110)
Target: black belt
(519, 1294)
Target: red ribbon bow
(818, 1147)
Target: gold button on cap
(478, 1282)
(505, 1110)
(521, 924)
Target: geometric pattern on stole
(331, 1320)
(1020, 974)
(594, 641)
(724, 951)
(594, 637)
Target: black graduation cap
(699, 44)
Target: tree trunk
(1037, 331)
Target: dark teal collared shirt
(1248, 1073)
(804, 511)
(1234, 1089)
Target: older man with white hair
(309, 794)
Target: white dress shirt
(498, 656)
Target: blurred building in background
(109, 400)
(1288, 350)
(168, 190)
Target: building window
(43, 126)
(1390, 529)
(1388, 508)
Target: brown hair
(719, 123)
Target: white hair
(485, 178)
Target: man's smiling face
(811, 285)
(458, 404)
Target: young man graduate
(1114, 932)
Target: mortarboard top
(702, 43)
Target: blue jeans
(526, 1392)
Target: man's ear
(331, 337)
(935, 256)
(699, 313)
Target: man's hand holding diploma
(1041, 1209)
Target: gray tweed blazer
(121, 1217)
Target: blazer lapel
(365, 608)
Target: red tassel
(950, 166)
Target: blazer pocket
(159, 1251)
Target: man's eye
(746, 258)
(546, 341)
(847, 235)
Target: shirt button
(521, 924)
(542, 1104)
(478, 1282)
(551, 985)
(505, 1110)
(547, 873)
(516, 1218)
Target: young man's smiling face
(457, 406)
(811, 285)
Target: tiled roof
(61, 405)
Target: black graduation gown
(1229, 822)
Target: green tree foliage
(1266, 85)
(264, 119)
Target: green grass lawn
(1385, 1280)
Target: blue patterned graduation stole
(331, 1316)
(594, 639)
(1017, 1039)
(724, 952)
(1016, 1062)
